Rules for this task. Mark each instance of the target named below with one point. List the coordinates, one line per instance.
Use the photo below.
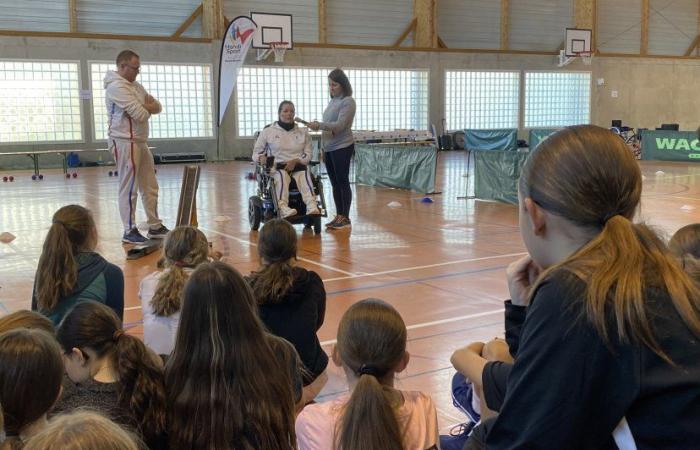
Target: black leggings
(338, 167)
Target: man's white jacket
(128, 118)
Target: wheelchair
(264, 206)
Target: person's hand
(469, 362)
(290, 165)
(497, 350)
(521, 275)
(262, 159)
(151, 105)
(314, 126)
(150, 99)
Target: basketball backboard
(578, 40)
(272, 28)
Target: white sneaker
(287, 211)
(313, 211)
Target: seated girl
(291, 301)
(70, 271)
(161, 292)
(371, 349)
(291, 148)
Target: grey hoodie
(128, 119)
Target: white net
(279, 48)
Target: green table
(397, 166)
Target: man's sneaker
(343, 222)
(158, 233)
(133, 237)
(332, 222)
(313, 212)
(457, 438)
(286, 211)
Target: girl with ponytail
(609, 351)
(70, 271)
(112, 372)
(184, 249)
(371, 349)
(291, 301)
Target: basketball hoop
(586, 57)
(278, 48)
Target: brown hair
(26, 319)
(685, 246)
(588, 176)
(31, 372)
(227, 387)
(184, 246)
(72, 231)
(371, 343)
(83, 430)
(277, 244)
(125, 56)
(339, 77)
(140, 387)
(284, 102)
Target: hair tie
(58, 222)
(117, 334)
(607, 217)
(368, 370)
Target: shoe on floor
(158, 233)
(457, 438)
(332, 222)
(133, 237)
(343, 222)
(286, 211)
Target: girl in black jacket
(291, 301)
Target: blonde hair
(26, 319)
(588, 176)
(83, 430)
(72, 231)
(184, 246)
(685, 246)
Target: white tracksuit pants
(304, 184)
(136, 174)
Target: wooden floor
(440, 264)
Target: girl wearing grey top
(338, 144)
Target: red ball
(75, 174)
(4, 179)
(41, 177)
(67, 175)
(12, 178)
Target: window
(386, 99)
(481, 100)
(183, 90)
(39, 102)
(557, 99)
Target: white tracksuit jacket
(128, 119)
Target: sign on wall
(666, 145)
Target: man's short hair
(125, 56)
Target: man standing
(129, 107)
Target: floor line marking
(428, 266)
(437, 322)
(309, 261)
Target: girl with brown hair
(70, 270)
(230, 384)
(31, 372)
(371, 349)
(685, 245)
(184, 249)
(83, 430)
(291, 301)
(608, 353)
(111, 372)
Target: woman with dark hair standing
(338, 144)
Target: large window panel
(481, 99)
(184, 91)
(557, 99)
(39, 102)
(386, 99)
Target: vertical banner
(237, 41)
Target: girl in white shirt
(161, 292)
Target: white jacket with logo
(128, 118)
(284, 145)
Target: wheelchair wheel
(254, 212)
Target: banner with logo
(668, 145)
(538, 135)
(237, 41)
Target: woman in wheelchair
(290, 146)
